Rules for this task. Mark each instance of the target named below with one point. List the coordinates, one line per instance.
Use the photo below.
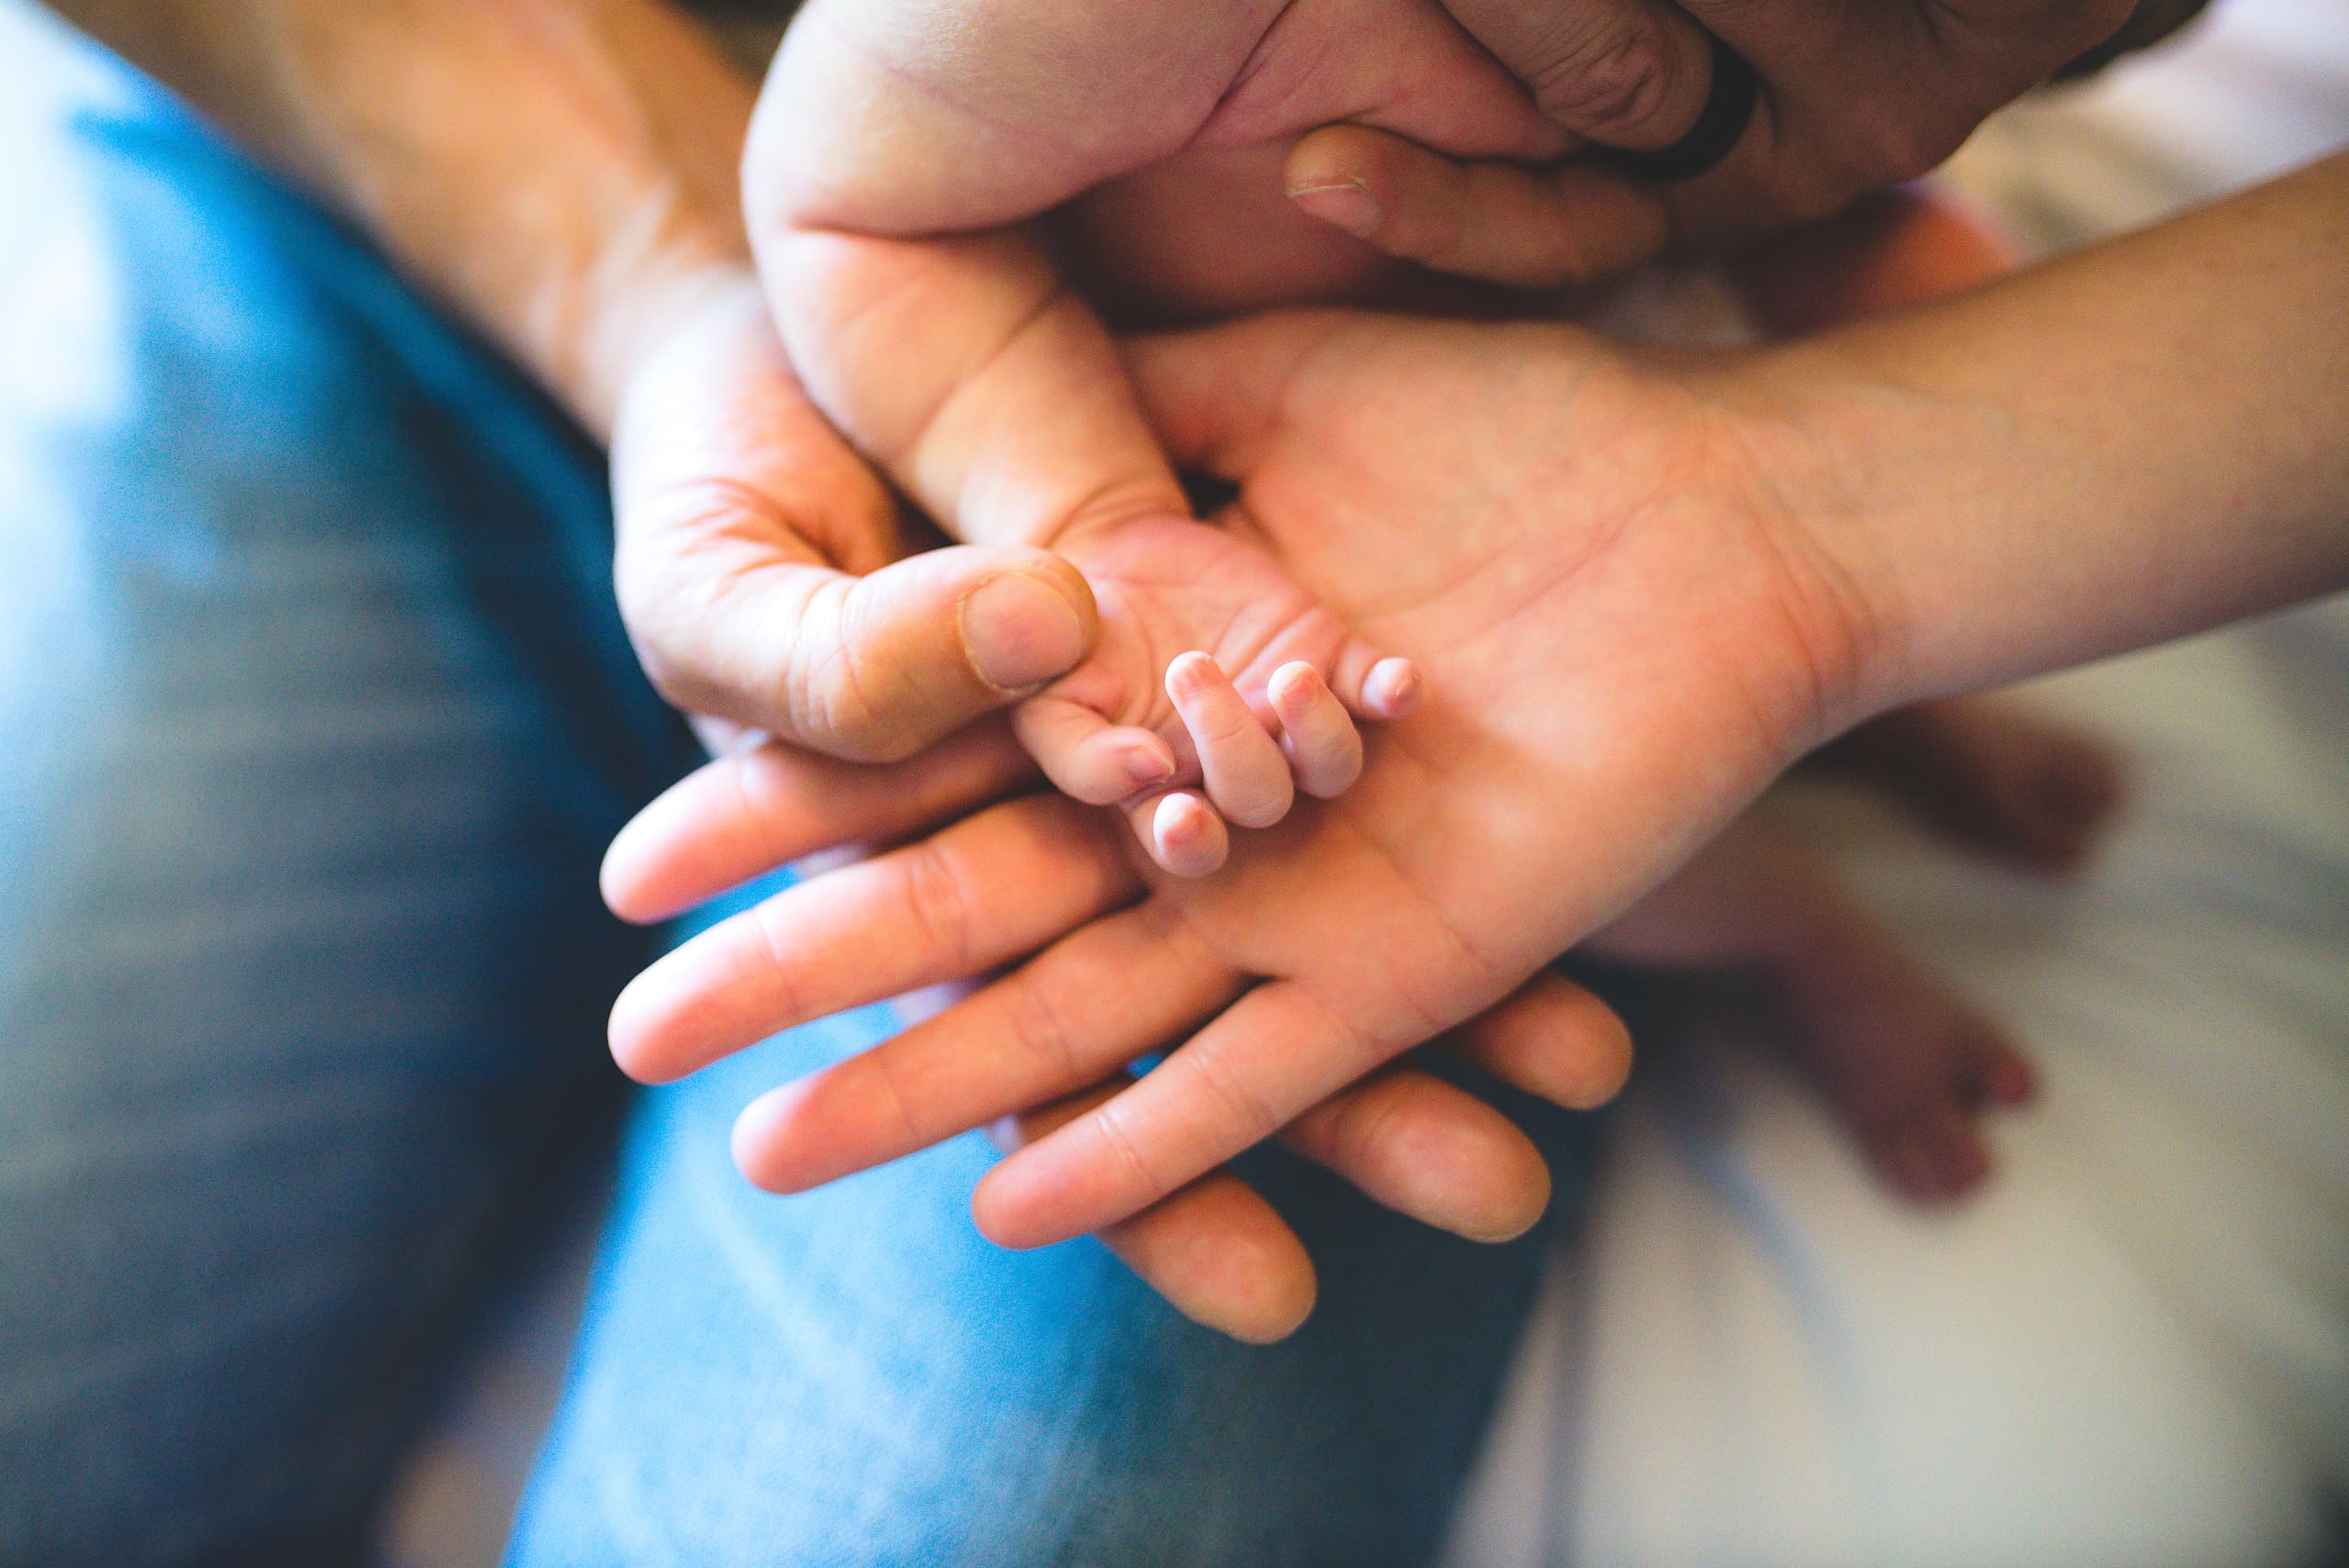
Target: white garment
(2134, 1348)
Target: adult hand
(766, 574)
(974, 894)
(769, 579)
(1852, 94)
(1637, 592)
(1628, 631)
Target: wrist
(1820, 447)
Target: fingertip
(761, 1141)
(1085, 757)
(1223, 1258)
(619, 878)
(1343, 203)
(1392, 688)
(1189, 674)
(1186, 836)
(1121, 763)
(1293, 688)
(1022, 627)
(636, 1030)
(1149, 761)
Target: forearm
(561, 173)
(2133, 443)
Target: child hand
(1218, 689)
(899, 152)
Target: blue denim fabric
(316, 716)
(854, 1376)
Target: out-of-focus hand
(1854, 94)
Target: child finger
(1323, 748)
(1375, 685)
(1247, 778)
(1085, 756)
(1181, 831)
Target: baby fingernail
(1189, 672)
(1018, 631)
(1292, 686)
(1349, 205)
(1392, 687)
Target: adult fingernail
(1019, 630)
(1347, 204)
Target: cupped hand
(1627, 630)
(769, 579)
(1852, 97)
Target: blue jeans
(318, 714)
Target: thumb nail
(1018, 630)
(1347, 204)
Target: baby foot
(1216, 690)
(1990, 779)
(1907, 1067)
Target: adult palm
(1627, 633)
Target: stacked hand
(1499, 502)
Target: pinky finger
(1375, 685)
(1554, 1039)
(1214, 1250)
(1420, 1146)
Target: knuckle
(938, 901)
(1109, 1122)
(1609, 83)
(1252, 1118)
(786, 991)
(904, 1107)
(827, 688)
(1039, 1030)
(1366, 1124)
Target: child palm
(1206, 651)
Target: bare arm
(2135, 442)
(561, 173)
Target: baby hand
(1218, 689)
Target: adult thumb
(874, 667)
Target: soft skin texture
(897, 146)
(1578, 738)
(1651, 587)
(764, 574)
